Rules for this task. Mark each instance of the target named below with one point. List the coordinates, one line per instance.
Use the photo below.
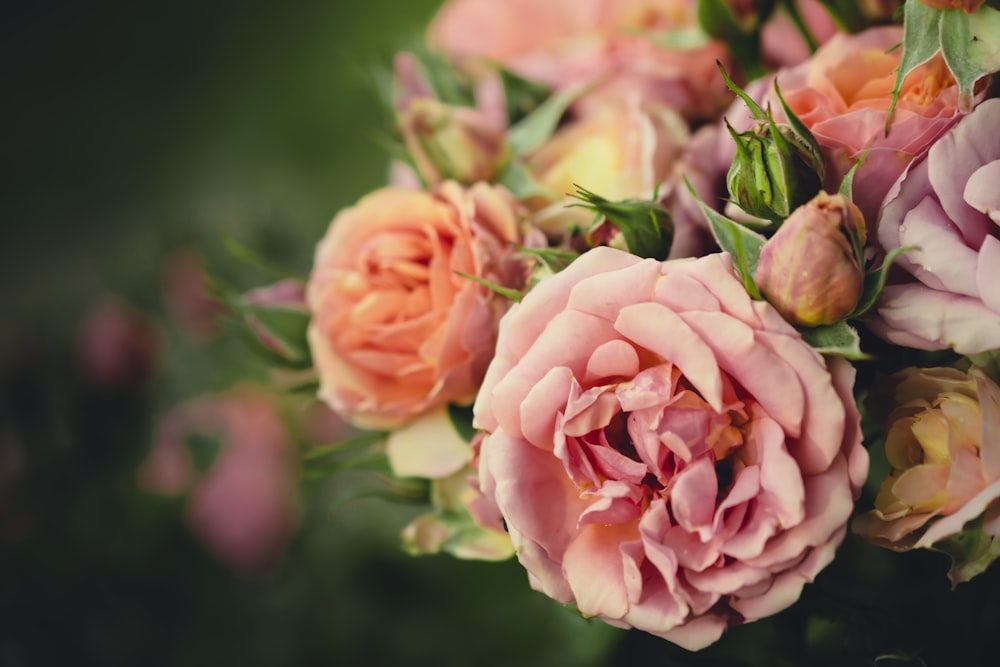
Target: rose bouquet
(666, 299)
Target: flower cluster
(634, 254)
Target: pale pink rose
(948, 206)
(397, 330)
(843, 93)
(610, 43)
(243, 507)
(943, 446)
(667, 453)
(119, 346)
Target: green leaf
(875, 283)
(743, 244)
(755, 109)
(348, 447)
(921, 40)
(242, 252)
(516, 178)
(971, 552)
(538, 126)
(970, 44)
(839, 340)
(203, 449)
(646, 226)
(461, 419)
(512, 294)
(521, 96)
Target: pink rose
(667, 453)
(610, 42)
(243, 507)
(397, 330)
(949, 207)
(842, 94)
(943, 446)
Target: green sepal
(646, 226)
(875, 283)
(971, 551)
(838, 340)
(554, 259)
(508, 292)
(742, 243)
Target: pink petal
(981, 191)
(593, 566)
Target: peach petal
(594, 570)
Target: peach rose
(608, 42)
(396, 329)
(943, 444)
(243, 507)
(666, 452)
(843, 94)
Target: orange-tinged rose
(397, 329)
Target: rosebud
(774, 172)
(810, 270)
(277, 316)
(452, 142)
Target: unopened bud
(810, 270)
(774, 172)
(452, 142)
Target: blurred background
(137, 138)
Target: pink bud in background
(119, 346)
(809, 270)
(186, 290)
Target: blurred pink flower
(396, 329)
(947, 206)
(119, 346)
(243, 507)
(611, 43)
(677, 483)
